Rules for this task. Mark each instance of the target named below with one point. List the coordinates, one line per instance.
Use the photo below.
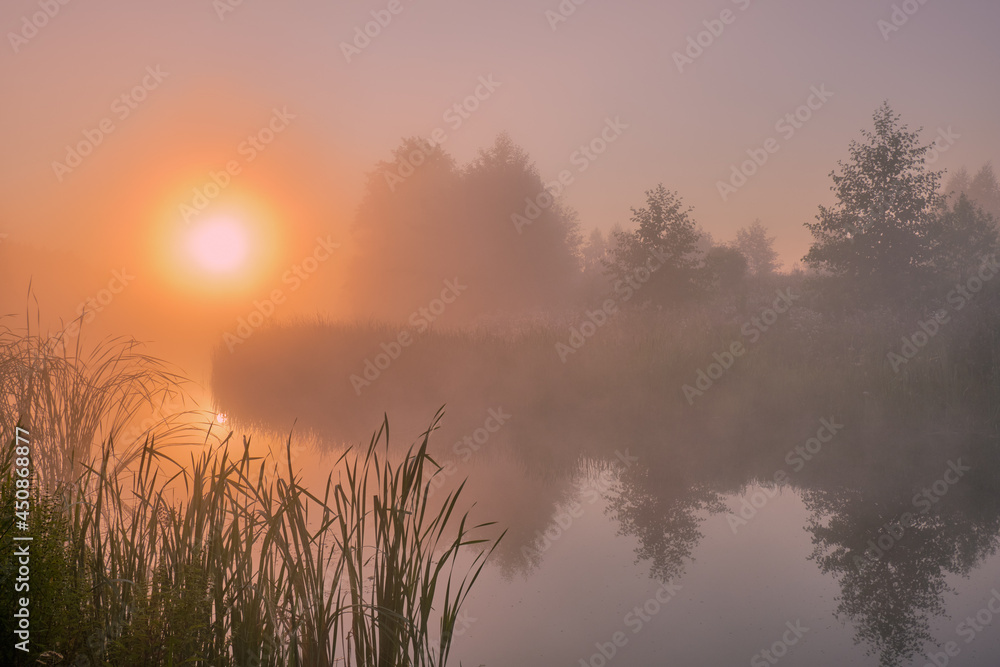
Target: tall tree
(876, 239)
(964, 235)
(667, 239)
(532, 264)
(594, 251)
(984, 190)
(957, 184)
(424, 220)
(725, 269)
(396, 261)
(758, 249)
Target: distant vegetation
(899, 302)
(896, 236)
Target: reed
(250, 567)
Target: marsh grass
(250, 567)
(73, 398)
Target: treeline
(896, 236)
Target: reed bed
(250, 567)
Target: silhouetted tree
(725, 268)
(594, 251)
(957, 184)
(876, 240)
(758, 249)
(984, 190)
(424, 220)
(402, 231)
(963, 235)
(666, 238)
(518, 267)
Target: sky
(164, 95)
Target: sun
(219, 246)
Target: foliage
(725, 269)
(758, 249)
(877, 239)
(493, 223)
(250, 567)
(964, 236)
(666, 237)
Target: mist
(536, 333)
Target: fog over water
(692, 306)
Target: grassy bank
(249, 567)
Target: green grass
(250, 567)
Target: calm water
(818, 526)
(874, 546)
(734, 599)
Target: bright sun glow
(220, 245)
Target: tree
(395, 261)
(876, 240)
(984, 191)
(423, 220)
(725, 268)
(523, 244)
(758, 249)
(594, 251)
(667, 239)
(958, 184)
(963, 235)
